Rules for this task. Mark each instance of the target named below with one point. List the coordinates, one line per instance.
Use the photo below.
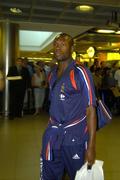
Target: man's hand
(90, 155)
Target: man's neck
(62, 66)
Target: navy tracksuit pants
(68, 159)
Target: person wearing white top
(38, 83)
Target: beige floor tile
(20, 144)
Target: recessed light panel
(105, 31)
(16, 10)
(84, 8)
(117, 32)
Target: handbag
(95, 173)
(104, 116)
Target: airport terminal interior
(27, 30)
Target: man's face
(24, 63)
(19, 62)
(62, 49)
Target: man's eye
(62, 44)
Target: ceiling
(61, 16)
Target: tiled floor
(20, 142)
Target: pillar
(10, 51)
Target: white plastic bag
(95, 173)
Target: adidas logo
(76, 156)
(62, 97)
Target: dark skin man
(63, 48)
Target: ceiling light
(105, 31)
(117, 32)
(91, 52)
(100, 47)
(16, 10)
(84, 8)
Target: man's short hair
(66, 36)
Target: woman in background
(38, 83)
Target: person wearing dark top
(19, 81)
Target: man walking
(69, 139)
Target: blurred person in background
(39, 85)
(2, 86)
(48, 68)
(117, 77)
(117, 89)
(107, 83)
(19, 81)
(28, 106)
(97, 81)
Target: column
(10, 51)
